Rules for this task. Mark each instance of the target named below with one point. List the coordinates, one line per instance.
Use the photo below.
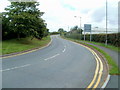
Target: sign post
(87, 28)
(90, 36)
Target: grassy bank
(14, 45)
(113, 67)
(107, 46)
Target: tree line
(74, 29)
(23, 19)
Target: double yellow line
(99, 69)
(98, 72)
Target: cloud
(85, 11)
(98, 15)
(60, 13)
(69, 7)
(3, 5)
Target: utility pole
(106, 24)
(80, 29)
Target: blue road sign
(87, 27)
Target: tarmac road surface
(63, 64)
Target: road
(114, 79)
(63, 64)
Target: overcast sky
(60, 13)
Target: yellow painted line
(20, 53)
(100, 73)
(96, 72)
(27, 51)
(95, 75)
(97, 69)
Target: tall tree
(75, 29)
(61, 31)
(24, 19)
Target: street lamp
(80, 24)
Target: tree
(79, 31)
(61, 31)
(23, 19)
(75, 29)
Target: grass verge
(15, 45)
(113, 67)
(103, 45)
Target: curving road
(62, 64)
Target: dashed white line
(15, 68)
(64, 49)
(51, 57)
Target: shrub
(113, 39)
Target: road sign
(87, 27)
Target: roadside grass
(113, 67)
(15, 45)
(103, 45)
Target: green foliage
(23, 19)
(113, 39)
(61, 31)
(113, 67)
(54, 33)
(75, 29)
(15, 45)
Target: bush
(113, 39)
(54, 33)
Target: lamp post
(80, 24)
(106, 24)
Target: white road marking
(15, 68)
(106, 82)
(64, 49)
(52, 57)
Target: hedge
(112, 39)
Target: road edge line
(106, 82)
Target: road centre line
(64, 49)
(52, 57)
(15, 68)
(27, 64)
